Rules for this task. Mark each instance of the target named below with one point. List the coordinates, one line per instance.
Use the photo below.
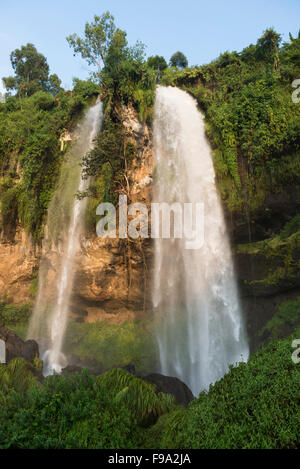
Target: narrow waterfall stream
(60, 247)
(200, 330)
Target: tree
(31, 71)
(158, 63)
(95, 45)
(268, 48)
(178, 60)
(54, 84)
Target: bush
(11, 315)
(73, 412)
(256, 405)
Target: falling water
(200, 330)
(64, 228)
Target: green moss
(12, 315)
(34, 287)
(113, 345)
(282, 263)
(284, 321)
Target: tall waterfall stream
(199, 324)
(64, 225)
(200, 330)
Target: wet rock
(16, 347)
(71, 369)
(183, 395)
(130, 369)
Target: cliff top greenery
(252, 122)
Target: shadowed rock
(16, 347)
(183, 395)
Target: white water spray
(57, 270)
(200, 330)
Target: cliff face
(18, 267)
(113, 277)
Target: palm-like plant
(18, 375)
(140, 397)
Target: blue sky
(202, 29)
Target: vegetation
(80, 411)
(280, 258)
(159, 64)
(11, 315)
(112, 345)
(121, 70)
(31, 73)
(252, 122)
(254, 128)
(284, 321)
(30, 156)
(256, 405)
(178, 60)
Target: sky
(201, 29)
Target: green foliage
(73, 412)
(31, 73)
(291, 227)
(140, 397)
(85, 88)
(252, 123)
(178, 60)
(284, 321)
(18, 375)
(95, 44)
(255, 406)
(112, 344)
(34, 287)
(122, 71)
(159, 64)
(100, 190)
(108, 149)
(11, 315)
(30, 156)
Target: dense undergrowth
(255, 405)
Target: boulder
(182, 394)
(16, 347)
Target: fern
(139, 396)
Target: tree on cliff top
(179, 60)
(31, 72)
(98, 37)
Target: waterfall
(60, 247)
(199, 324)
